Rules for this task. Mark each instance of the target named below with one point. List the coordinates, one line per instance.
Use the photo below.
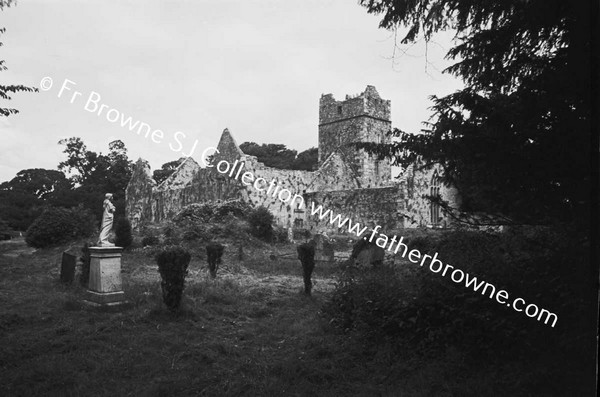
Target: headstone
(368, 254)
(67, 267)
(105, 285)
(323, 248)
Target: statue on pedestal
(107, 221)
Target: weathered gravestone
(67, 267)
(323, 248)
(365, 253)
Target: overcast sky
(197, 67)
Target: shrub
(173, 264)
(59, 225)
(436, 310)
(369, 300)
(306, 254)
(261, 223)
(194, 233)
(86, 222)
(172, 241)
(214, 253)
(5, 231)
(301, 234)
(280, 235)
(421, 243)
(169, 230)
(429, 312)
(209, 212)
(150, 241)
(123, 236)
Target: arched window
(434, 191)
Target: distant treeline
(270, 154)
(85, 176)
(81, 180)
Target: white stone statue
(107, 221)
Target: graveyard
(248, 332)
(252, 329)
(386, 198)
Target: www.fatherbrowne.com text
(93, 104)
(393, 244)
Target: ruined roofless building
(348, 181)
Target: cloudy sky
(257, 67)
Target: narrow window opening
(434, 192)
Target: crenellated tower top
(360, 118)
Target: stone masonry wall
(138, 194)
(398, 206)
(363, 118)
(348, 182)
(205, 185)
(369, 207)
(336, 137)
(417, 184)
(297, 182)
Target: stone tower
(361, 118)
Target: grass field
(247, 333)
(250, 332)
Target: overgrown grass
(436, 315)
(249, 332)
(245, 334)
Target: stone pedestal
(105, 288)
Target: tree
(123, 237)
(173, 262)
(272, 155)
(307, 160)
(278, 156)
(166, 170)
(5, 231)
(90, 168)
(80, 162)
(516, 140)
(119, 167)
(261, 223)
(94, 174)
(38, 182)
(59, 225)
(11, 88)
(23, 198)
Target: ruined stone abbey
(348, 181)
